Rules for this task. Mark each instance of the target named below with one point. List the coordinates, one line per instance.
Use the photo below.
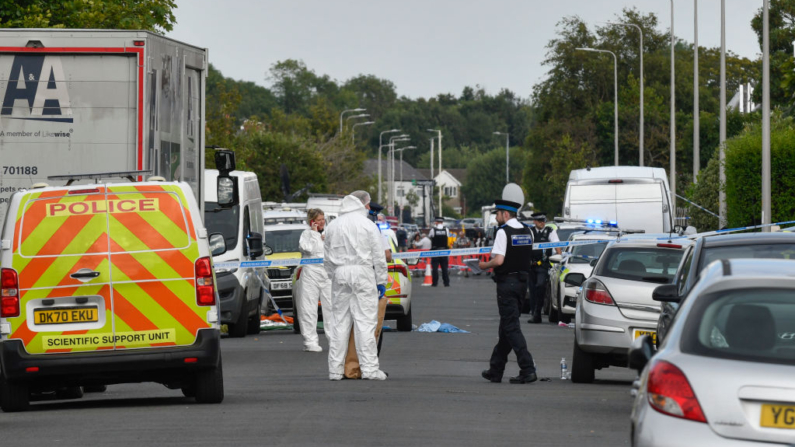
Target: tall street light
(439, 132)
(672, 138)
(507, 155)
(402, 200)
(390, 180)
(615, 93)
(346, 111)
(696, 117)
(722, 147)
(641, 85)
(766, 208)
(353, 129)
(361, 115)
(381, 145)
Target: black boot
(491, 376)
(524, 378)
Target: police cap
(539, 216)
(507, 205)
(439, 219)
(375, 207)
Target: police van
(108, 283)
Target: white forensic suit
(315, 286)
(356, 264)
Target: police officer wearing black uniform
(439, 241)
(539, 272)
(510, 259)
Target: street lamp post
(722, 147)
(507, 155)
(696, 117)
(672, 138)
(381, 145)
(641, 86)
(766, 208)
(346, 111)
(439, 132)
(361, 115)
(402, 199)
(615, 94)
(353, 129)
(390, 168)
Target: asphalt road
(277, 394)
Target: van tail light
(596, 292)
(615, 181)
(9, 293)
(670, 393)
(669, 245)
(400, 269)
(205, 288)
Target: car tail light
(205, 288)
(615, 181)
(400, 269)
(9, 293)
(298, 273)
(669, 245)
(670, 393)
(596, 292)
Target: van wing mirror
(227, 192)
(555, 259)
(217, 244)
(255, 247)
(668, 293)
(640, 352)
(574, 279)
(225, 162)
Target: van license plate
(778, 416)
(641, 332)
(64, 315)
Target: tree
(782, 34)
(486, 176)
(151, 15)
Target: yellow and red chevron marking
(150, 254)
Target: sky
(425, 47)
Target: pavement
(276, 394)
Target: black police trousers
(443, 263)
(539, 276)
(510, 295)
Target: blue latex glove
(381, 291)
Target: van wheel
(210, 385)
(238, 329)
(70, 392)
(404, 322)
(189, 389)
(254, 322)
(582, 365)
(14, 396)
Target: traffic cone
(428, 279)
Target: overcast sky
(425, 47)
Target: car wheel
(238, 329)
(254, 322)
(14, 396)
(189, 389)
(210, 385)
(404, 322)
(70, 392)
(582, 365)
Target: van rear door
(60, 253)
(595, 201)
(153, 251)
(640, 206)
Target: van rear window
(147, 221)
(63, 226)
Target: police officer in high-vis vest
(510, 259)
(439, 236)
(539, 274)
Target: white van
(635, 197)
(240, 290)
(329, 203)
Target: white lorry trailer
(99, 101)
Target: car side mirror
(555, 259)
(593, 262)
(640, 352)
(255, 248)
(217, 244)
(668, 293)
(267, 250)
(574, 279)
(412, 261)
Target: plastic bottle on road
(564, 368)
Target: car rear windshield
(224, 221)
(759, 251)
(583, 254)
(283, 241)
(653, 264)
(743, 324)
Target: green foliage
(705, 193)
(782, 34)
(486, 176)
(152, 15)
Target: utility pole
(672, 138)
(696, 118)
(766, 208)
(722, 147)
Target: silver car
(615, 306)
(724, 374)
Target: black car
(712, 248)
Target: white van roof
(617, 172)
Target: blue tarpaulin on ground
(435, 326)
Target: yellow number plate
(778, 416)
(640, 332)
(63, 315)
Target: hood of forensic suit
(351, 204)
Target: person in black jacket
(510, 259)
(439, 241)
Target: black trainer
(490, 376)
(524, 378)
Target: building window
(400, 192)
(451, 191)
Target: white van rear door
(593, 202)
(640, 206)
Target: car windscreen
(743, 324)
(583, 254)
(758, 251)
(224, 221)
(283, 241)
(652, 264)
